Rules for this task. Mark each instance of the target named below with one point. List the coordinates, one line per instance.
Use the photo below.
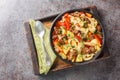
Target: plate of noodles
(77, 36)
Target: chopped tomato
(78, 38)
(99, 40)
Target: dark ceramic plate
(94, 13)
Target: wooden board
(58, 64)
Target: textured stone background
(15, 60)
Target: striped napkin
(43, 68)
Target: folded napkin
(43, 68)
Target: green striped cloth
(43, 68)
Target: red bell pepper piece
(78, 38)
(99, 40)
(58, 24)
(67, 21)
(66, 15)
(67, 25)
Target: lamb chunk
(99, 28)
(54, 36)
(75, 14)
(85, 50)
(72, 54)
(61, 42)
(92, 49)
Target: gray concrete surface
(15, 60)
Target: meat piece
(87, 20)
(61, 42)
(100, 35)
(92, 49)
(56, 30)
(72, 54)
(75, 31)
(99, 28)
(79, 34)
(88, 50)
(85, 50)
(71, 29)
(75, 14)
(90, 36)
(54, 36)
(62, 39)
